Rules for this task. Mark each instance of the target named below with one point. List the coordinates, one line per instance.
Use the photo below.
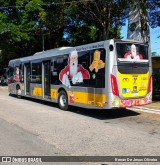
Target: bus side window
(56, 66)
(16, 73)
(10, 74)
(84, 60)
(97, 79)
(21, 70)
(36, 76)
(54, 73)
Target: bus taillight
(150, 85)
(114, 85)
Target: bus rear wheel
(63, 100)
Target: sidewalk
(4, 87)
(154, 107)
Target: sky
(154, 33)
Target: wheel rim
(62, 100)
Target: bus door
(27, 73)
(46, 80)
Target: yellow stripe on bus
(53, 93)
(88, 98)
(37, 91)
(78, 97)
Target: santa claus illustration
(73, 71)
(17, 74)
(133, 54)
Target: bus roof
(54, 52)
(62, 51)
(41, 55)
(129, 40)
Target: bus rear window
(129, 52)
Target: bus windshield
(132, 52)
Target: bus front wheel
(63, 100)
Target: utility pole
(43, 42)
(138, 26)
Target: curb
(143, 109)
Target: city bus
(103, 75)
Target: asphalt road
(31, 128)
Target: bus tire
(63, 100)
(18, 92)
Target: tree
(17, 30)
(154, 54)
(25, 23)
(154, 12)
(106, 17)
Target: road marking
(143, 109)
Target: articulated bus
(104, 75)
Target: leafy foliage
(24, 24)
(154, 12)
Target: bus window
(16, 74)
(56, 67)
(97, 68)
(36, 76)
(73, 73)
(84, 61)
(10, 74)
(94, 62)
(21, 70)
(130, 51)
